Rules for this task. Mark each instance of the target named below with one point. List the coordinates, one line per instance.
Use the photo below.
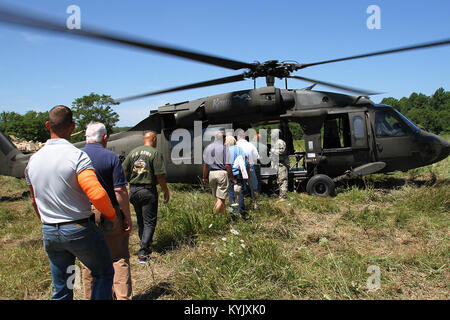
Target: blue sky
(39, 70)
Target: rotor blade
(214, 82)
(360, 92)
(15, 18)
(378, 53)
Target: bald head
(150, 139)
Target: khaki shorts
(218, 180)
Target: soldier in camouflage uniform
(280, 161)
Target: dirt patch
(14, 243)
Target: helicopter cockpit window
(386, 125)
(413, 127)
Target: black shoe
(244, 216)
(143, 259)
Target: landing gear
(321, 185)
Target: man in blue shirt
(217, 169)
(112, 177)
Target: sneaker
(143, 259)
(234, 208)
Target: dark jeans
(83, 241)
(145, 203)
(231, 196)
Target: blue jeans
(231, 196)
(83, 241)
(257, 168)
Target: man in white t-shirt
(253, 156)
(63, 185)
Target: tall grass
(303, 248)
(186, 218)
(237, 269)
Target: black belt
(217, 170)
(146, 186)
(92, 217)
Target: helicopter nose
(445, 149)
(434, 148)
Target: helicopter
(345, 136)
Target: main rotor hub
(271, 68)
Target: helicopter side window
(358, 126)
(336, 132)
(386, 125)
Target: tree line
(432, 113)
(429, 112)
(31, 125)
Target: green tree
(93, 107)
(10, 123)
(30, 126)
(439, 98)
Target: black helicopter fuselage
(341, 134)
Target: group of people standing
(232, 167)
(82, 200)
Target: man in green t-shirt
(144, 168)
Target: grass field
(303, 248)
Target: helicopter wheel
(321, 185)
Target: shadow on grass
(389, 183)
(168, 244)
(25, 194)
(155, 292)
(185, 187)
